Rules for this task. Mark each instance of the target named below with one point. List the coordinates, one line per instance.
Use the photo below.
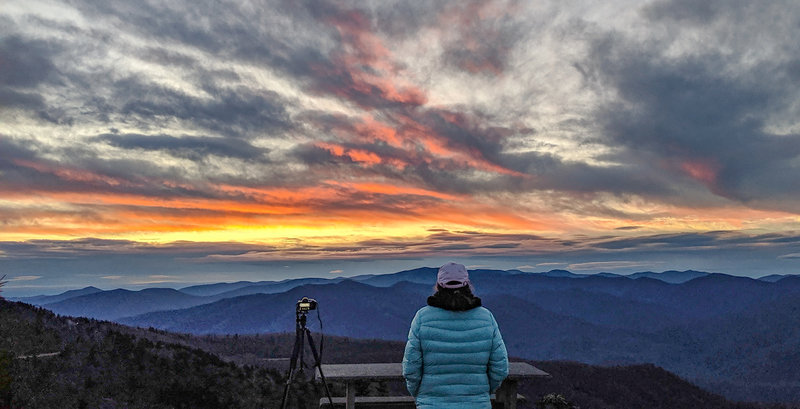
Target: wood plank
(384, 401)
(344, 372)
(522, 370)
(394, 371)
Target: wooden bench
(391, 402)
(506, 397)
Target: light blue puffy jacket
(454, 359)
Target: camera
(306, 304)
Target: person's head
(453, 276)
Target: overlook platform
(506, 396)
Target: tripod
(301, 331)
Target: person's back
(455, 356)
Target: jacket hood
(456, 299)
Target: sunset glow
(500, 130)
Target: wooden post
(507, 394)
(351, 395)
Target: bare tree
(2, 283)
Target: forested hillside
(98, 365)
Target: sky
(169, 143)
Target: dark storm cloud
(279, 34)
(765, 247)
(707, 240)
(311, 154)
(697, 12)
(28, 63)
(477, 36)
(23, 100)
(447, 236)
(25, 169)
(24, 65)
(341, 65)
(682, 124)
(326, 53)
(231, 112)
(196, 148)
(167, 57)
(466, 133)
(406, 18)
(483, 44)
(95, 247)
(705, 116)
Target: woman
(455, 356)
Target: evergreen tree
(5, 378)
(554, 401)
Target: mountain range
(733, 335)
(105, 365)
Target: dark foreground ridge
(52, 361)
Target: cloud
(336, 271)
(26, 62)
(195, 148)
(705, 116)
(545, 120)
(231, 112)
(24, 278)
(481, 35)
(688, 241)
(155, 279)
(469, 244)
(790, 256)
(610, 265)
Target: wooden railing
(506, 396)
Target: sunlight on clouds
(262, 77)
(23, 278)
(154, 279)
(317, 234)
(610, 265)
(52, 10)
(164, 122)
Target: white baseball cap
(452, 275)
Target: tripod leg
(302, 348)
(296, 350)
(318, 364)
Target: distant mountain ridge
(671, 276)
(682, 326)
(48, 299)
(138, 370)
(115, 304)
(594, 319)
(420, 275)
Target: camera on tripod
(302, 334)
(306, 304)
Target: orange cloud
(69, 174)
(371, 129)
(703, 171)
(369, 65)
